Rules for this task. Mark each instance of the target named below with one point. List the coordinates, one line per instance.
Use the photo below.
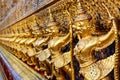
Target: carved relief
(44, 39)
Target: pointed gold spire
(26, 29)
(51, 16)
(81, 13)
(51, 20)
(80, 8)
(35, 24)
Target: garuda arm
(107, 39)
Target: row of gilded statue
(50, 52)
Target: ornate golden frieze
(40, 39)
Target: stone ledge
(18, 69)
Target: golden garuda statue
(77, 54)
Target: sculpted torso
(57, 43)
(84, 49)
